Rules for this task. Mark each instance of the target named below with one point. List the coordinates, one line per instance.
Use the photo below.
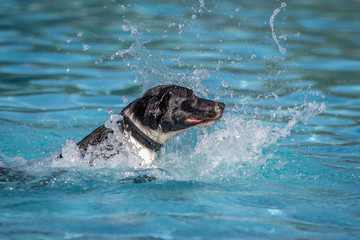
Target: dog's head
(171, 108)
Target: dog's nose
(219, 106)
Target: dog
(159, 115)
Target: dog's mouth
(212, 117)
(200, 122)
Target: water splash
(11, 161)
(237, 148)
(152, 70)
(115, 151)
(272, 18)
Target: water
(283, 162)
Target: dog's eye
(186, 105)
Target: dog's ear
(155, 108)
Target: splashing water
(10, 161)
(153, 72)
(272, 18)
(115, 151)
(236, 148)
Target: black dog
(160, 114)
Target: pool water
(283, 163)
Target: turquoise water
(282, 164)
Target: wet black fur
(168, 106)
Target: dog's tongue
(193, 120)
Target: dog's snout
(219, 107)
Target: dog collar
(139, 135)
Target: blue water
(284, 162)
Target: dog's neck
(148, 140)
(145, 145)
(139, 134)
(156, 135)
(145, 153)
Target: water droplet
(109, 111)
(272, 18)
(237, 9)
(125, 28)
(124, 100)
(86, 47)
(224, 83)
